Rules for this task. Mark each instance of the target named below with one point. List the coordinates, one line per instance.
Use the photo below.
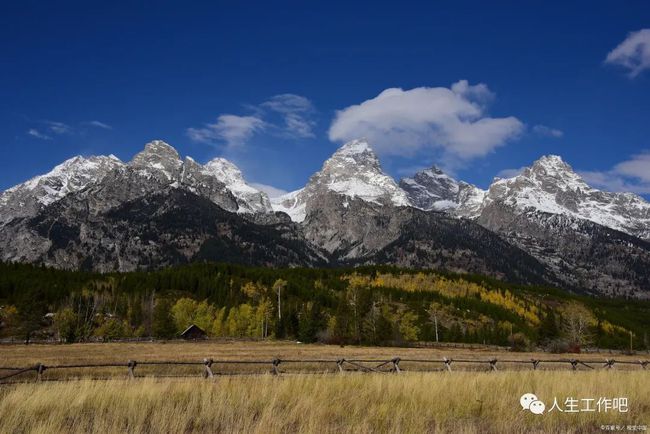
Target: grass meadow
(410, 402)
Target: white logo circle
(537, 407)
(526, 399)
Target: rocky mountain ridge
(543, 226)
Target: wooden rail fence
(342, 365)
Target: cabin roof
(193, 327)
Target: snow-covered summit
(432, 189)
(71, 176)
(353, 171)
(354, 148)
(550, 185)
(158, 157)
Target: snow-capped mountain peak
(158, 157)
(554, 169)
(432, 189)
(353, 171)
(354, 148)
(71, 176)
(550, 185)
(223, 169)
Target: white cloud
(632, 175)
(47, 129)
(232, 130)
(404, 122)
(58, 127)
(543, 130)
(288, 103)
(478, 92)
(35, 133)
(269, 189)
(99, 124)
(510, 173)
(295, 110)
(298, 126)
(636, 167)
(633, 53)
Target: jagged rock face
(249, 199)
(584, 255)
(432, 189)
(219, 180)
(75, 174)
(355, 232)
(158, 159)
(350, 228)
(551, 186)
(440, 241)
(168, 227)
(353, 172)
(158, 210)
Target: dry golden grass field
(410, 402)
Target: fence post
(609, 363)
(395, 363)
(207, 372)
(339, 363)
(274, 367)
(535, 364)
(131, 364)
(447, 363)
(40, 368)
(643, 363)
(574, 364)
(493, 364)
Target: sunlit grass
(352, 402)
(409, 402)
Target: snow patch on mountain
(292, 204)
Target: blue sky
(276, 86)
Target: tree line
(368, 305)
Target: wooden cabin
(194, 333)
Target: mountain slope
(581, 253)
(591, 239)
(168, 227)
